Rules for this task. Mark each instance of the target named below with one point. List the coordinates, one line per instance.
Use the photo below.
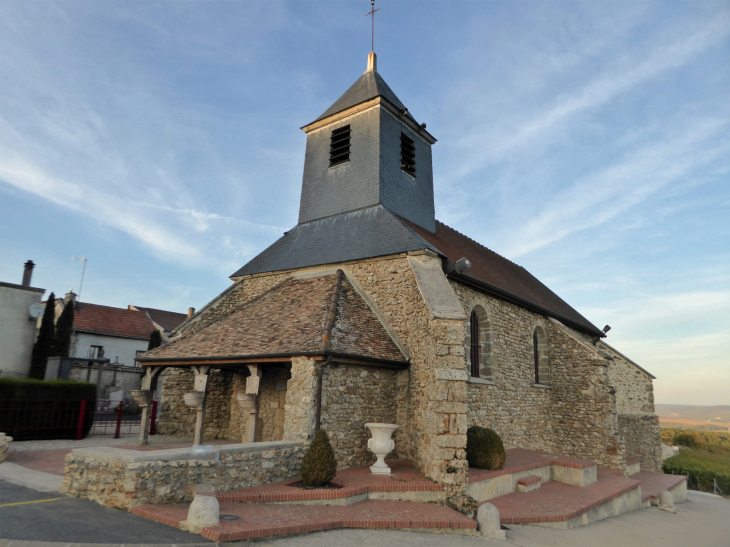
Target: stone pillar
(300, 411)
(201, 384)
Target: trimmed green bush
(684, 439)
(319, 465)
(484, 448)
(37, 409)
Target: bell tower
(367, 150)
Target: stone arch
(483, 348)
(540, 360)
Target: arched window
(478, 345)
(474, 354)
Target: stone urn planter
(381, 445)
(142, 397)
(4, 442)
(246, 402)
(194, 399)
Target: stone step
(633, 465)
(575, 471)
(528, 484)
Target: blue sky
(587, 141)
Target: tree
(42, 348)
(61, 344)
(155, 340)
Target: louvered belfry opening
(340, 145)
(536, 354)
(474, 353)
(407, 154)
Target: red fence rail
(114, 418)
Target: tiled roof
(112, 321)
(366, 233)
(289, 319)
(168, 320)
(503, 275)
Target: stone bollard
(666, 502)
(488, 520)
(4, 442)
(203, 511)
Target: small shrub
(684, 439)
(319, 465)
(484, 448)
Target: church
(371, 310)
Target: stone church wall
(353, 395)
(510, 405)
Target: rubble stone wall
(431, 398)
(300, 410)
(511, 405)
(115, 479)
(176, 418)
(353, 395)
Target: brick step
(575, 471)
(266, 520)
(528, 484)
(633, 465)
(561, 505)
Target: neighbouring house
(164, 321)
(371, 310)
(20, 307)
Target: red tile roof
(113, 321)
(168, 320)
(289, 319)
(501, 275)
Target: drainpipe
(319, 393)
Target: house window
(407, 154)
(96, 352)
(540, 362)
(340, 146)
(474, 354)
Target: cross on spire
(372, 14)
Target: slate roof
(500, 274)
(368, 86)
(366, 233)
(112, 321)
(289, 319)
(168, 320)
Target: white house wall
(17, 330)
(125, 349)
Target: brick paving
(652, 484)
(47, 461)
(556, 501)
(265, 520)
(517, 460)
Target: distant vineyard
(710, 441)
(692, 424)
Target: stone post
(301, 400)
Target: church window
(478, 350)
(340, 146)
(541, 364)
(408, 154)
(474, 354)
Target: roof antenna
(372, 14)
(81, 286)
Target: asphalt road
(77, 520)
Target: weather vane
(372, 14)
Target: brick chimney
(191, 312)
(28, 273)
(70, 296)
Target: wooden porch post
(252, 388)
(147, 384)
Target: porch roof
(315, 316)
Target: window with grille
(340, 146)
(407, 154)
(474, 353)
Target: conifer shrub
(484, 448)
(61, 344)
(42, 347)
(155, 340)
(319, 465)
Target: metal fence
(119, 418)
(705, 485)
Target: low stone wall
(122, 479)
(4, 442)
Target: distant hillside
(719, 413)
